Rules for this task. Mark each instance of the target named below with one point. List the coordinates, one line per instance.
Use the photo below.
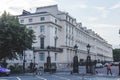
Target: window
(55, 20)
(30, 20)
(66, 27)
(42, 42)
(55, 56)
(69, 19)
(42, 18)
(42, 28)
(55, 41)
(21, 57)
(66, 17)
(55, 30)
(30, 27)
(42, 56)
(66, 40)
(22, 21)
(72, 30)
(69, 29)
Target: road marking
(61, 77)
(40, 77)
(18, 78)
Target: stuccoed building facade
(61, 32)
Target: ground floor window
(55, 56)
(42, 56)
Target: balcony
(53, 49)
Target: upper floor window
(72, 21)
(30, 27)
(42, 42)
(22, 21)
(42, 28)
(42, 18)
(67, 27)
(55, 20)
(55, 30)
(42, 56)
(72, 30)
(30, 20)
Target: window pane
(55, 56)
(55, 30)
(21, 21)
(42, 18)
(55, 21)
(30, 27)
(42, 56)
(42, 28)
(42, 43)
(30, 20)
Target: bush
(16, 68)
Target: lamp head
(88, 47)
(48, 47)
(75, 47)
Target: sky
(102, 16)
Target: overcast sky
(102, 16)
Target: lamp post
(24, 61)
(34, 57)
(88, 61)
(48, 60)
(75, 60)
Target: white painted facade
(63, 27)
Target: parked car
(4, 70)
(115, 63)
(99, 65)
(106, 64)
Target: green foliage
(4, 63)
(16, 68)
(116, 54)
(14, 37)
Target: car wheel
(7, 74)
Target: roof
(33, 13)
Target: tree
(14, 37)
(116, 54)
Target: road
(114, 69)
(67, 76)
(60, 76)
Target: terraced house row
(60, 31)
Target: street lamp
(88, 48)
(24, 61)
(75, 60)
(88, 61)
(48, 60)
(34, 57)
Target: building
(61, 32)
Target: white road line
(61, 77)
(18, 78)
(40, 77)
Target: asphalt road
(114, 69)
(60, 76)
(102, 75)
